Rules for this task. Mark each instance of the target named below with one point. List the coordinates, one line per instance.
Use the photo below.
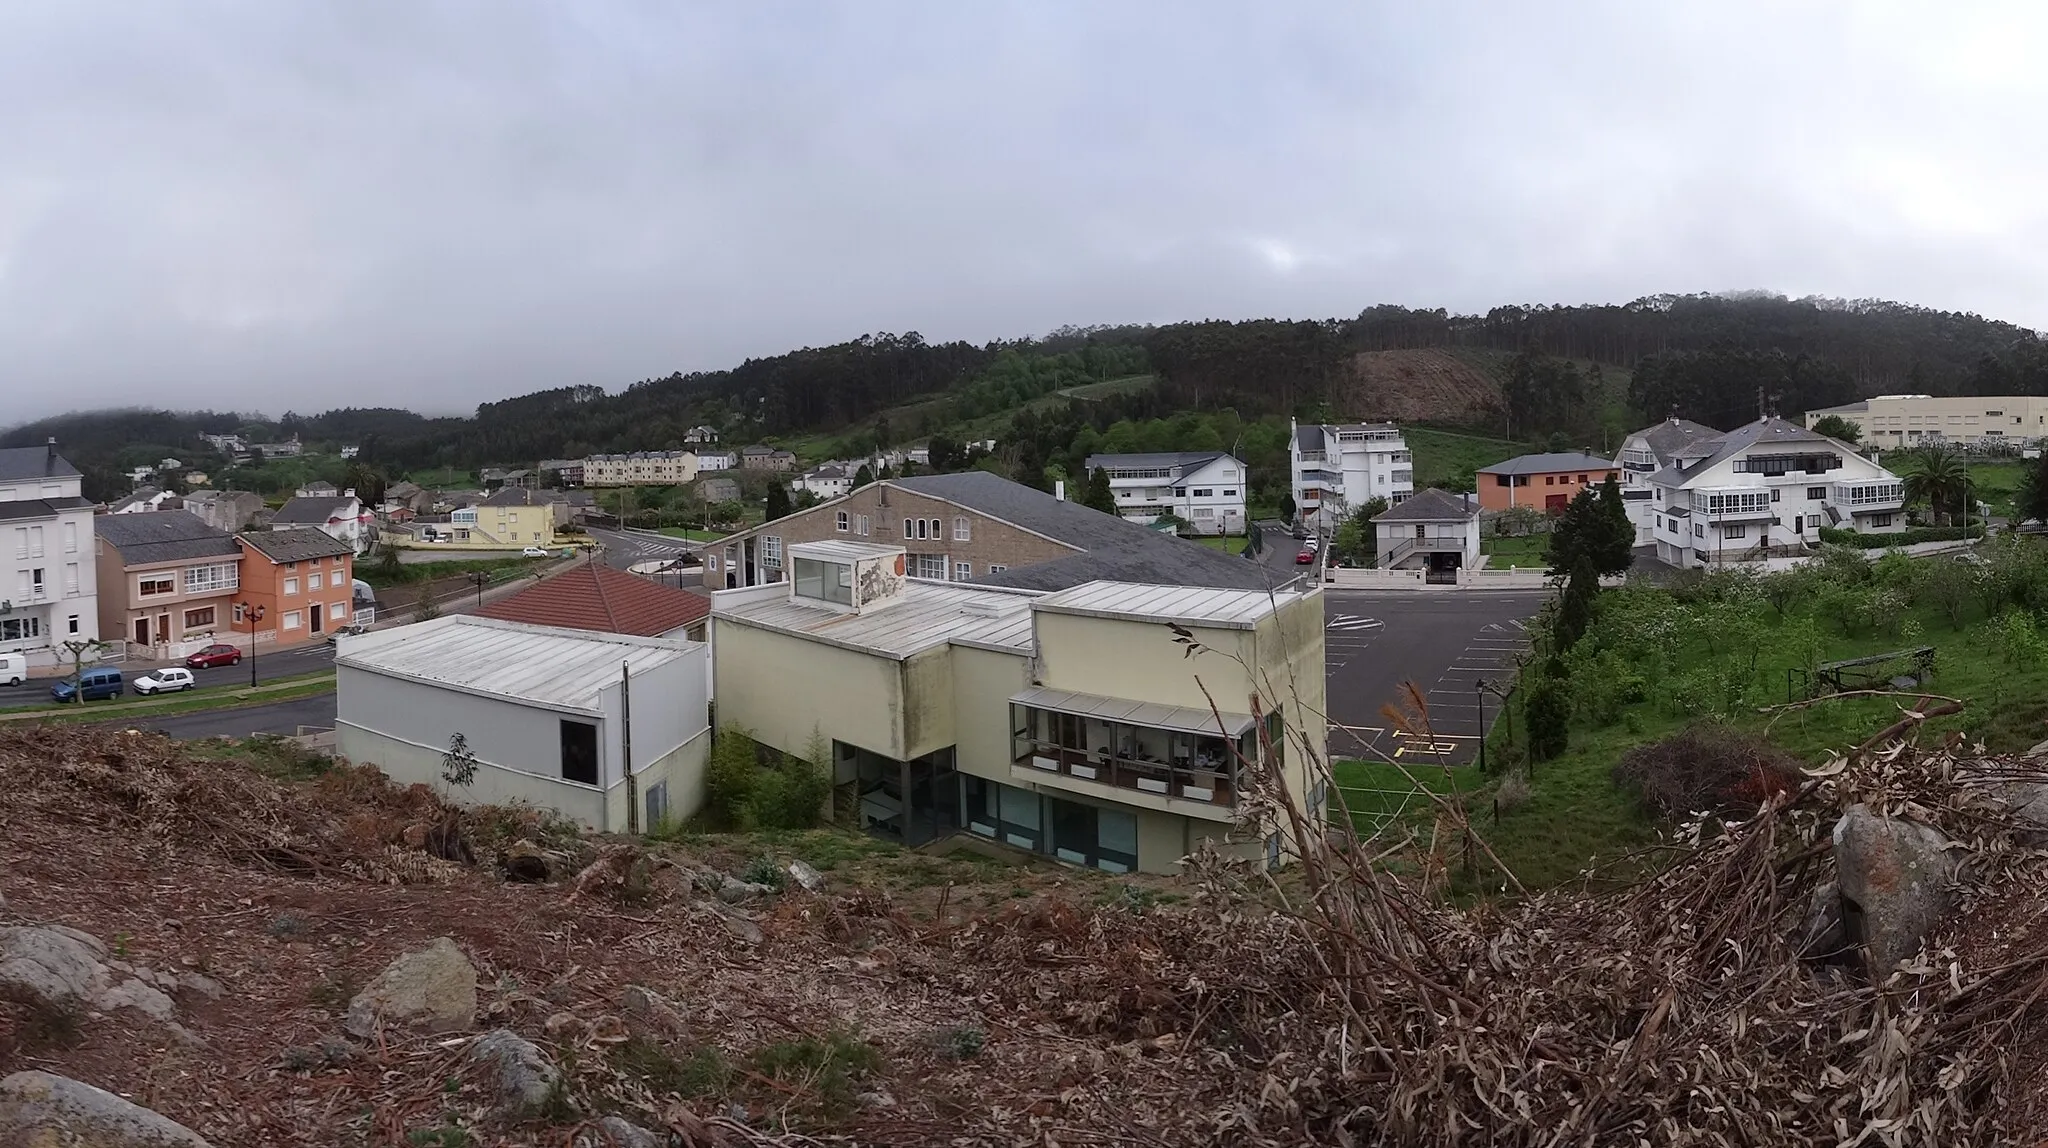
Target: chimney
(1059, 486)
(349, 493)
(50, 461)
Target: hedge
(1906, 537)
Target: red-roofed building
(594, 596)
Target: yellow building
(514, 518)
(1072, 724)
(1915, 420)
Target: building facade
(1547, 482)
(1336, 469)
(341, 517)
(1916, 420)
(1765, 490)
(766, 458)
(1643, 454)
(514, 518)
(641, 468)
(1204, 489)
(167, 581)
(1434, 531)
(828, 481)
(1073, 724)
(49, 582)
(300, 583)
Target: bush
(1549, 711)
(1835, 536)
(739, 793)
(729, 777)
(1707, 769)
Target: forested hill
(1701, 356)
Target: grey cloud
(262, 205)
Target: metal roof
(1154, 715)
(1553, 463)
(838, 551)
(540, 665)
(926, 614)
(1195, 605)
(312, 510)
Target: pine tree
(1575, 612)
(863, 476)
(778, 501)
(1572, 532)
(1099, 496)
(1614, 549)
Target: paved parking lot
(1443, 642)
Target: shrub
(1835, 536)
(729, 777)
(828, 1064)
(1548, 709)
(1513, 793)
(1706, 769)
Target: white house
(49, 587)
(1431, 530)
(1337, 468)
(341, 517)
(717, 460)
(1643, 454)
(828, 481)
(144, 500)
(1765, 490)
(1205, 489)
(545, 711)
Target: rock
(562, 1024)
(875, 1100)
(433, 989)
(524, 861)
(616, 1132)
(1897, 884)
(202, 985)
(39, 1110)
(139, 996)
(733, 890)
(652, 1007)
(1820, 936)
(2040, 750)
(736, 921)
(808, 878)
(50, 967)
(525, 1074)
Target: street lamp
(480, 579)
(1479, 693)
(253, 614)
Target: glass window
(842, 522)
(291, 620)
(154, 584)
(825, 581)
(995, 569)
(863, 523)
(962, 529)
(962, 571)
(313, 581)
(579, 752)
(771, 551)
(199, 619)
(291, 585)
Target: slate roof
(19, 462)
(1112, 549)
(523, 496)
(1186, 458)
(1308, 436)
(1673, 435)
(596, 597)
(312, 511)
(14, 510)
(1549, 463)
(163, 536)
(1430, 505)
(1705, 453)
(302, 545)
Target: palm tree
(1939, 477)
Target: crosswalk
(1353, 624)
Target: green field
(441, 476)
(500, 570)
(1129, 384)
(1229, 545)
(1525, 551)
(203, 698)
(1995, 483)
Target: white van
(13, 669)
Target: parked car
(218, 654)
(1304, 558)
(95, 683)
(533, 552)
(348, 631)
(1301, 532)
(1315, 544)
(13, 668)
(164, 681)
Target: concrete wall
(1141, 660)
(927, 693)
(982, 683)
(782, 687)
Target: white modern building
(1335, 469)
(828, 481)
(545, 711)
(717, 460)
(1204, 489)
(342, 517)
(1432, 530)
(1915, 420)
(1765, 490)
(1643, 454)
(49, 587)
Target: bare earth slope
(1432, 385)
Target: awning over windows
(1154, 715)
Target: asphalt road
(624, 548)
(277, 717)
(1444, 642)
(425, 553)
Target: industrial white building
(543, 709)
(1336, 469)
(1916, 420)
(1204, 489)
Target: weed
(829, 1064)
(704, 1073)
(333, 992)
(962, 1042)
(1514, 792)
(287, 925)
(121, 944)
(299, 1058)
(445, 1136)
(557, 1107)
(1136, 898)
(763, 870)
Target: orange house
(1545, 481)
(301, 582)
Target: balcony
(1869, 496)
(1138, 753)
(1732, 504)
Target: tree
(1837, 427)
(778, 501)
(1286, 506)
(2031, 500)
(1574, 532)
(368, 482)
(1575, 612)
(1939, 477)
(863, 476)
(1613, 545)
(1547, 709)
(458, 765)
(1098, 495)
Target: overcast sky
(283, 203)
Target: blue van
(96, 683)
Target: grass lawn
(1229, 544)
(500, 569)
(1447, 455)
(1376, 793)
(1995, 483)
(1525, 551)
(206, 698)
(1575, 814)
(441, 476)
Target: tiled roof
(14, 510)
(163, 536)
(302, 545)
(596, 597)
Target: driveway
(276, 717)
(625, 548)
(1443, 642)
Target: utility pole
(626, 745)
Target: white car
(1314, 543)
(533, 552)
(165, 681)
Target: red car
(220, 654)
(1304, 558)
